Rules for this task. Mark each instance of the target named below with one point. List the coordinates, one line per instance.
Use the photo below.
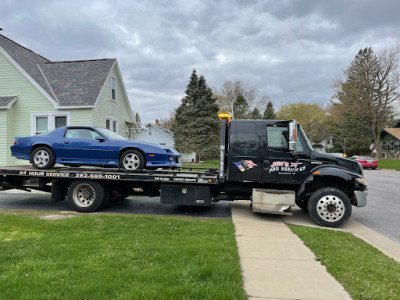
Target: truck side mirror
(292, 135)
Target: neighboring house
(324, 146)
(37, 95)
(390, 138)
(153, 133)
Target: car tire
(329, 207)
(86, 195)
(43, 158)
(132, 160)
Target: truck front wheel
(86, 195)
(329, 207)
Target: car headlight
(361, 181)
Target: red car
(366, 161)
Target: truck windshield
(307, 141)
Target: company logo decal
(245, 165)
(284, 167)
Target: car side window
(81, 133)
(278, 137)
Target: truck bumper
(361, 197)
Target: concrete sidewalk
(275, 262)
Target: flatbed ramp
(205, 177)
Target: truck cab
(277, 155)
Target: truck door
(279, 164)
(245, 153)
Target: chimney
(157, 122)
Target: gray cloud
(290, 50)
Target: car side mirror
(292, 136)
(100, 138)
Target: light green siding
(17, 121)
(107, 108)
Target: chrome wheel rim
(84, 195)
(331, 208)
(41, 158)
(131, 161)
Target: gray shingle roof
(77, 83)
(70, 83)
(4, 101)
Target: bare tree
(229, 93)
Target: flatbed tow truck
(269, 162)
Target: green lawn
(99, 256)
(364, 271)
(207, 164)
(392, 164)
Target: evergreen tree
(138, 120)
(241, 108)
(269, 112)
(255, 114)
(196, 123)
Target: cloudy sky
(289, 50)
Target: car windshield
(111, 135)
(305, 137)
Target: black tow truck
(269, 162)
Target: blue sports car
(83, 145)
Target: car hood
(326, 158)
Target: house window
(112, 124)
(114, 88)
(41, 123)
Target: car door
(279, 164)
(245, 156)
(86, 146)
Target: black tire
(329, 207)
(86, 195)
(43, 158)
(132, 160)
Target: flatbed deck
(206, 177)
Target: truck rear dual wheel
(86, 195)
(329, 207)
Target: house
(37, 95)
(324, 146)
(390, 138)
(153, 133)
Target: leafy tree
(255, 114)
(312, 117)
(371, 90)
(269, 112)
(196, 123)
(241, 108)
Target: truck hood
(326, 158)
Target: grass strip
(391, 164)
(207, 164)
(364, 271)
(96, 256)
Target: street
(382, 212)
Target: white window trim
(116, 84)
(50, 120)
(111, 119)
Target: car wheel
(43, 158)
(86, 195)
(329, 207)
(132, 160)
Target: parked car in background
(365, 161)
(85, 145)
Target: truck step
(272, 201)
